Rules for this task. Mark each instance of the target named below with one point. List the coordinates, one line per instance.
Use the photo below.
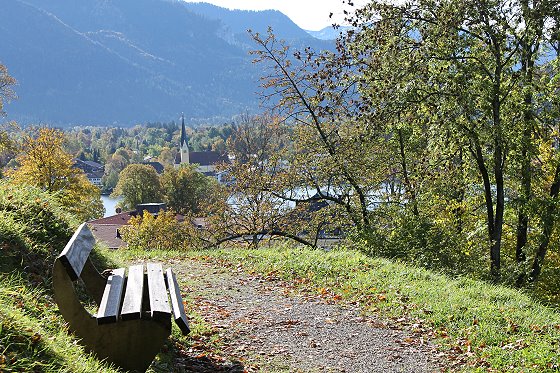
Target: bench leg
(131, 345)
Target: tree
(186, 190)
(6, 91)
(251, 206)
(44, 164)
(138, 184)
(6, 94)
(162, 232)
(427, 109)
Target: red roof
(118, 219)
(106, 234)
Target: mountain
(133, 61)
(329, 32)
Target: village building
(107, 230)
(206, 162)
(94, 171)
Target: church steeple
(183, 147)
(184, 139)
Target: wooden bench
(133, 319)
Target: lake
(110, 204)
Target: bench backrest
(76, 252)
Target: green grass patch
(492, 327)
(33, 336)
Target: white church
(207, 161)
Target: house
(156, 165)
(207, 161)
(94, 171)
(107, 230)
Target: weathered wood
(177, 302)
(132, 305)
(112, 297)
(159, 305)
(132, 342)
(77, 250)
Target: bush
(149, 232)
(423, 242)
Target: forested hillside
(129, 62)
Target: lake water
(110, 204)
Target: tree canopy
(433, 128)
(138, 184)
(43, 163)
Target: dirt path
(267, 327)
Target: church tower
(183, 147)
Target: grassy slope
(33, 336)
(487, 327)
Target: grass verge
(480, 326)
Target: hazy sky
(307, 14)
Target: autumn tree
(43, 163)
(161, 232)
(252, 208)
(185, 189)
(138, 184)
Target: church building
(206, 161)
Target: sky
(307, 14)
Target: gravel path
(267, 326)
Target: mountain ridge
(81, 62)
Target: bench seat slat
(159, 305)
(177, 302)
(76, 251)
(112, 296)
(132, 304)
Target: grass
(481, 327)
(33, 337)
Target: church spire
(183, 146)
(184, 139)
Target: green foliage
(421, 241)
(157, 140)
(447, 117)
(186, 190)
(138, 184)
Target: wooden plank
(110, 303)
(76, 251)
(132, 304)
(159, 305)
(177, 302)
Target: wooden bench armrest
(177, 303)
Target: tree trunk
(548, 225)
(409, 190)
(490, 220)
